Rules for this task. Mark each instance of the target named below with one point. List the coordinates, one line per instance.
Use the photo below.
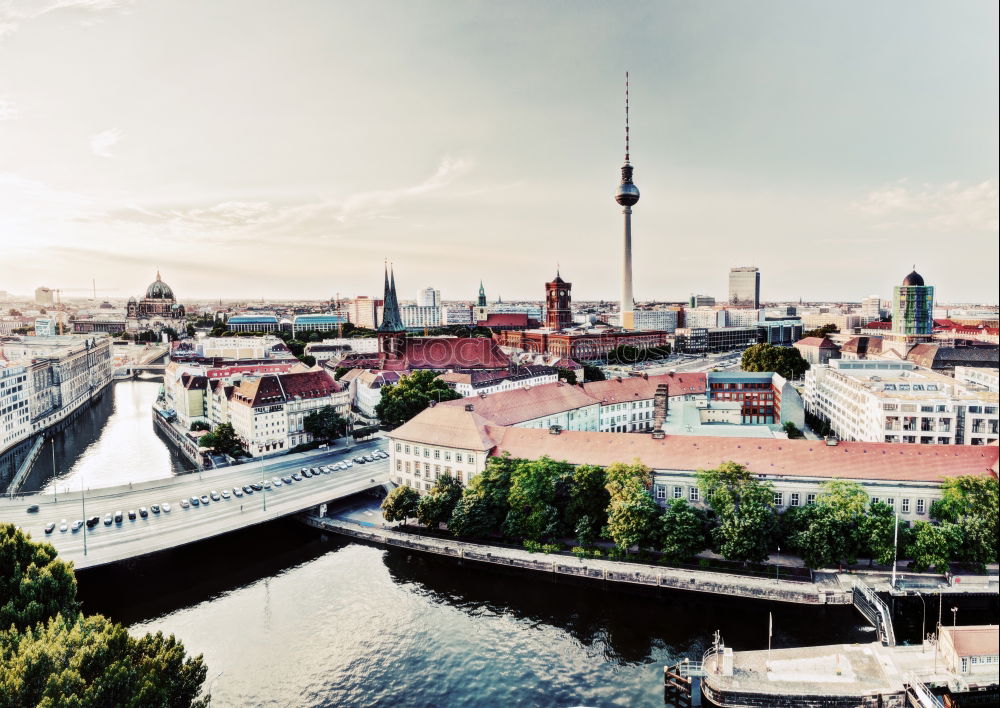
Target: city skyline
(759, 136)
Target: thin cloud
(945, 207)
(14, 13)
(102, 142)
(8, 109)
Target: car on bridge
(63, 526)
(143, 512)
(155, 508)
(215, 496)
(185, 503)
(247, 489)
(108, 520)
(277, 482)
(225, 494)
(50, 527)
(195, 502)
(237, 492)
(93, 521)
(131, 514)
(119, 516)
(204, 500)
(296, 477)
(77, 525)
(32, 509)
(166, 508)
(286, 480)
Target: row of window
(415, 470)
(426, 451)
(795, 498)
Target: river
(110, 442)
(287, 616)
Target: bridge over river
(157, 532)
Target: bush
(551, 548)
(533, 546)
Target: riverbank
(594, 569)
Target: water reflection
(111, 442)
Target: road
(129, 539)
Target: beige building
(972, 651)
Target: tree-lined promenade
(541, 503)
(51, 654)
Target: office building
(744, 287)
(429, 297)
(912, 309)
(701, 301)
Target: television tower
(627, 195)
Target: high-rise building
(871, 308)
(44, 296)
(627, 196)
(557, 304)
(744, 287)
(913, 308)
(701, 301)
(363, 311)
(429, 297)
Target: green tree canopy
(483, 507)
(786, 361)
(414, 392)
(400, 504)
(593, 373)
(532, 500)
(821, 331)
(745, 510)
(631, 510)
(91, 661)
(682, 533)
(34, 583)
(588, 499)
(567, 375)
(325, 424)
(972, 504)
(933, 545)
(224, 441)
(437, 505)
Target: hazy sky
(285, 148)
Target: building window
(693, 494)
(427, 452)
(399, 447)
(795, 499)
(458, 457)
(416, 450)
(678, 491)
(447, 454)
(437, 454)
(810, 499)
(399, 465)
(891, 501)
(779, 499)
(904, 506)
(920, 506)
(661, 492)
(407, 467)
(406, 448)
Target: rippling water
(287, 618)
(111, 442)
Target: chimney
(555, 429)
(469, 407)
(661, 405)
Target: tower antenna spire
(626, 120)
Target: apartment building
(897, 402)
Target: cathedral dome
(914, 278)
(158, 290)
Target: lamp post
(55, 487)
(923, 621)
(954, 616)
(263, 489)
(776, 567)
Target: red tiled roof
(821, 342)
(521, 404)
(805, 458)
(515, 319)
(878, 324)
(637, 387)
(974, 640)
(278, 389)
(447, 426)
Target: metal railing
(875, 611)
(920, 695)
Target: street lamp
(954, 616)
(263, 489)
(923, 621)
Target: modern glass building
(913, 307)
(744, 287)
(318, 322)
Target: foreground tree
(34, 583)
(400, 504)
(534, 488)
(877, 534)
(745, 510)
(933, 545)
(588, 501)
(437, 505)
(91, 661)
(971, 503)
(51, 655)
(483, 507)
(414, 392)
(786, 361)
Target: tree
(792, 431)
(34, 583)
(51, 655)
(933, 545)
(877, 533)
(437, 505)
(567, 375)
(786, 361)
(326, 424)
(483, 507)
(681, 530)
(414, 392)
(972, 504)
(200, 425)
(91, 661)
(533, 513)
(745, 509)
(631, 514)
(339, 372)
(400, 504)
(821, 332)
(588, 498)
(593, 373)
(224, 441)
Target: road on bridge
(179, 526)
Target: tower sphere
(627, 194)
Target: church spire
(391, 319)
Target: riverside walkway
(637, 574)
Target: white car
(63, 525)
(165, 507)
(77, 525)
(225, 494)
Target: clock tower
(557, 304)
